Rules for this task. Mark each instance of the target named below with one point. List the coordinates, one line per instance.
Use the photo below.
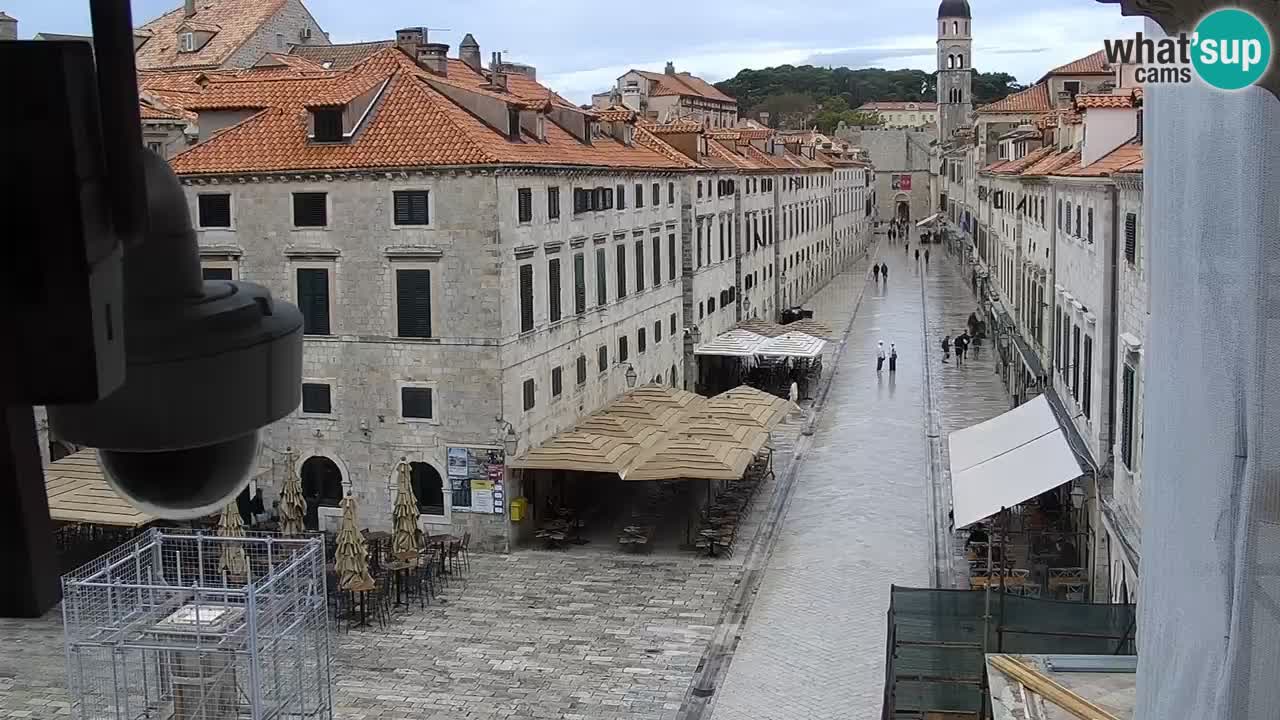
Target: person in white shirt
(880, 356)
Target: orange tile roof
(1115, 161)
(1015, 167)
(412, 125)
(616, 114)
(683, 84)
(645, 138)
(755, 133)
(1092, 64)
(339, 57)
(995, 166)
(1051, 163)
(235, 22)
(678, 126)
(1100, 100)
(1034, 99)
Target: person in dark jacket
(962, 344)
(946, 348)
(884, 271)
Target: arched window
(428, 488)
(951, 61)
(321, 487)
(955, 27)
(960, 60)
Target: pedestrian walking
(893, 358)
(907, 249)
(875, 269)
(884, 271)
(962, 344)
(946, 348)
(926, 256)
(880, 356)
(917, 255)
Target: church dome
(954, 9)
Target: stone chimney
(670, 69)
(409, 40)
(189, 8)
(469, 53)
(497, 75)
(8, 27)
(434, 57)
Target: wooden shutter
(671, 193)
(622, 271)
(310, 209)
(621, 193)
(1086, 390)
(602, 358)
(313, 300)
(1131, 237)
(553, 289)
(215, 210)
(582, 369)
(553, 203)
(657, 260)
(524, 198)
(579, 284)
(415, 402)
(316, 398)
(526, 298)
(671, 256)
(639, 195)
(657, 331)
(557, 381)
(1126, 415)
(602, 278)
(411, 207)
(1089, 227)
(655, 197)
(413, 303)
(530, 395)
(641, 344)
(622, 349)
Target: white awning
(1008, 460)
(928, 220)
(792, 344)
(735, 343)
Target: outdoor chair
(464, 549)
(455, 556)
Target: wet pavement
(862, 515)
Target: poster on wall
(904, 183)
(475, 478)
(895, 182)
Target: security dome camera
(207, 365)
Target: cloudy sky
(581, 46)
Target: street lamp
(695, 335)
(510, 440)
(631, 376)
(1077, 496)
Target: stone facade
(894, 153)
(955, 75)
(293, 24)
(477, 359)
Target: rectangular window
(413, 303)
(602, 279)
(622, 349)
(655, 195)
(313, 300)
(1128, 396)
(524, 202)
(1089, 226)
(411, 207)
(553, 289)
(699, 189)
(699, 258)
(557, 381)
(656, 241)
(416, 402)
(1078, 213)
(671, 193)
(1131, 238)
(327, 125)
(721, 224)
(316, 399)
(671, 324)
(1086, 391)
(1075, 362)
(582, 369)
(214, 210)
(216, 273)
(671, 256)
(310, 209)
(621, 193)
(581, 200)
(640, 342)
(579, 284)
(639, 266)
(526, 297)
(553, 203)
(529, 392)
(657, 331)
(639, 195)
(622, 270)
(602, 358)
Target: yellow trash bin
(519, 507)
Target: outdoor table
(979, 582)
(363, 590)
(400, 567)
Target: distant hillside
(796, 97)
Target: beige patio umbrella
(233, 561)
(404, 536)
(351, 557)
(293, 507)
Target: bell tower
(955, 67)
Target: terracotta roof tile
(1115, 161)
(412, 125)
(1103, 101)
(616, 114)
(1034, 99)
(235, 22)
(683, 84)
(678, 126)
(339, 57)
(1092, 64)
(1015, 167)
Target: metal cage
(190, 626)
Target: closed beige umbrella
(404, 536)
(293, 507)
(691, 458)
(233, 562)
(351, 557)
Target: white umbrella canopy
(232, 561)
(351, 557)
(293, 507)
(404, 536)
